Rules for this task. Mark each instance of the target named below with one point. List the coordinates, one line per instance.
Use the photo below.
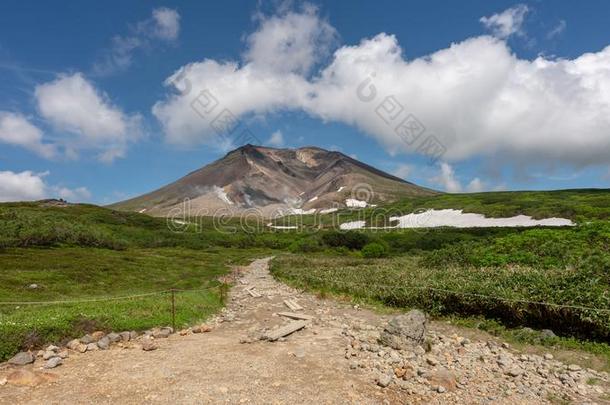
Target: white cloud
(166, 23)
(446, 179)
(15, 129)
(475, 186)
(290, 42)
(476, 96)
(29, 186)
(276, 139)
(557, 30)
(163, 26)
(506, 23)
(77, 194)
(403, 171)
(73, 104)
(24, 186)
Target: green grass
(90, 273)
(496, 293)
(84, 251)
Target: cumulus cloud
(475, 186)
(163, 26)
(72, 104)
(77, 194)
(24, 186)
(290, 42)
(508, 22)
(29, 186)
(446, 179)
(276, 139)
(15, 129)
(475, 96)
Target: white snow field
(458, 219)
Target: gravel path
(335, 359)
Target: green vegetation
(75, 273)
(511, 294)
(499, 275)
(374, 250)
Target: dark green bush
(374, 250)
(351, 239)
(305, 246)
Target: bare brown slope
(257, 177)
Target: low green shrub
(374, 250)
(351, 239)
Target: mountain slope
(276, 181)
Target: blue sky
(521, 100)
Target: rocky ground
(337, 353)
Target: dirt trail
(323, 363)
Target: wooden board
(292, 304)
(285, 330)
(293, 315)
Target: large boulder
(405, 331)
(22, 358)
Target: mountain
(277, 181)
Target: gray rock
(133, 334)
(91, 347)
(574, 367)
(125, 336)
(384, 380)
(22, 358)
(148, 345)
(53, 362)
(33, 286)
(104, 343)
(73, 344)
(405, 331)
(48, 354)
(431, 360)
(52, 348)
(162, 333)
(514, 372)
(87, 339)
(547, 333)
(113, 337)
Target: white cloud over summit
(476, 96)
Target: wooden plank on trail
(253, 293)
(292, 315)
(285, 330)
(292, 304)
